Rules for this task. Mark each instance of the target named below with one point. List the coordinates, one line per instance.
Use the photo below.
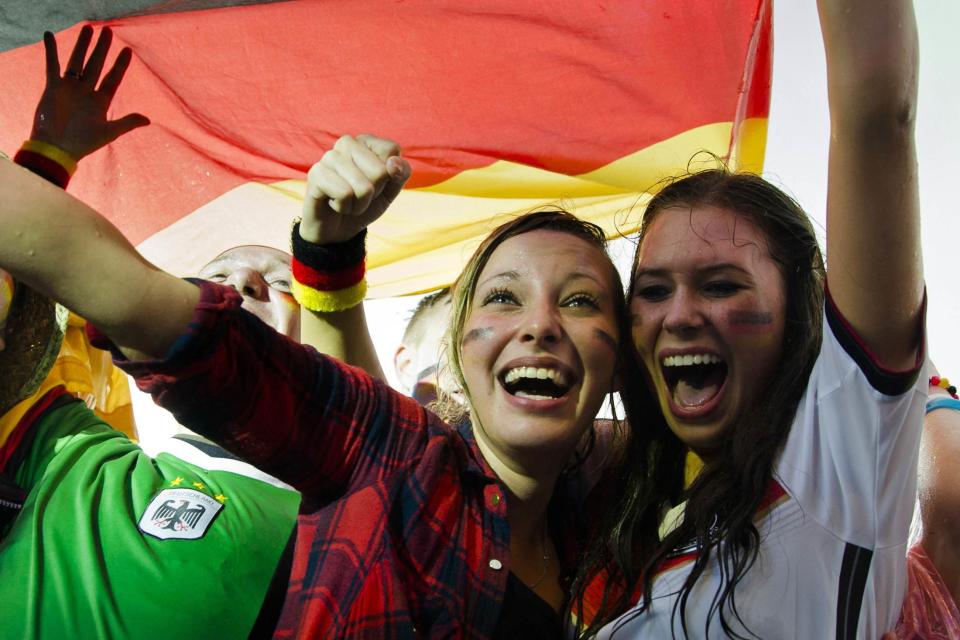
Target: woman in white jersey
(799, 389)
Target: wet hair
(722, 502)
(552, 219)
(415, 328)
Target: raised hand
(72, 112)
(351, 186)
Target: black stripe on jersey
(853, 579)
(887, 382)
(211, 449)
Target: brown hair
(723, 501)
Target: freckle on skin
(480, 333)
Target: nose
(248, 282)
(541, 324)
(684, 314)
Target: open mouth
(694, 379)
(537, 383)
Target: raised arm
(67, 251)
(874, 265)
(343, 335)
(72, 111)
(351, 186)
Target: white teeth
(690, 359)
(540, 373)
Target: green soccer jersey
(112, 543)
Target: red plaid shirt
(403, 530)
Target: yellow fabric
(674, 517)
(692, 468)
(87, 373)
(51, 152)
(424, 238)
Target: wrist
(48, 161)
(942, 402)
(328, 277)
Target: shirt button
(495, 564)
(495, 499)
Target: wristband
(943, 403)
(328, 277)
(47, 161)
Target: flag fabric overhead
(500, 106)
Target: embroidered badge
(184, 514)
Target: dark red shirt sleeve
(301, 416)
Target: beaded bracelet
(328, 277)
(943, 383)
(47, 161)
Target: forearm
(872, 62)
(939, 492)
(343, 335)
(67, 251)
(297, 415)
(873, 232)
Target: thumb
(126, 124)
(399, 171)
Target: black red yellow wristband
(328, 277)
(47, 161)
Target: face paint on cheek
(480, 333)
(750, 321)
(606, 339)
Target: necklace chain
(546, 559)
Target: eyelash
(499, 296)
(580, 298)
(716, 289)
(722, 288)
(505, 296)
(283, 285)
(653, 292)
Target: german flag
(501, 106)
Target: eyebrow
(710, 269)
(515, 275)
(506, 275)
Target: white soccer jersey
(834, 526)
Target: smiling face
(262, 276)
(539, 346)
(708, 308)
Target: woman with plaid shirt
(410, 526)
